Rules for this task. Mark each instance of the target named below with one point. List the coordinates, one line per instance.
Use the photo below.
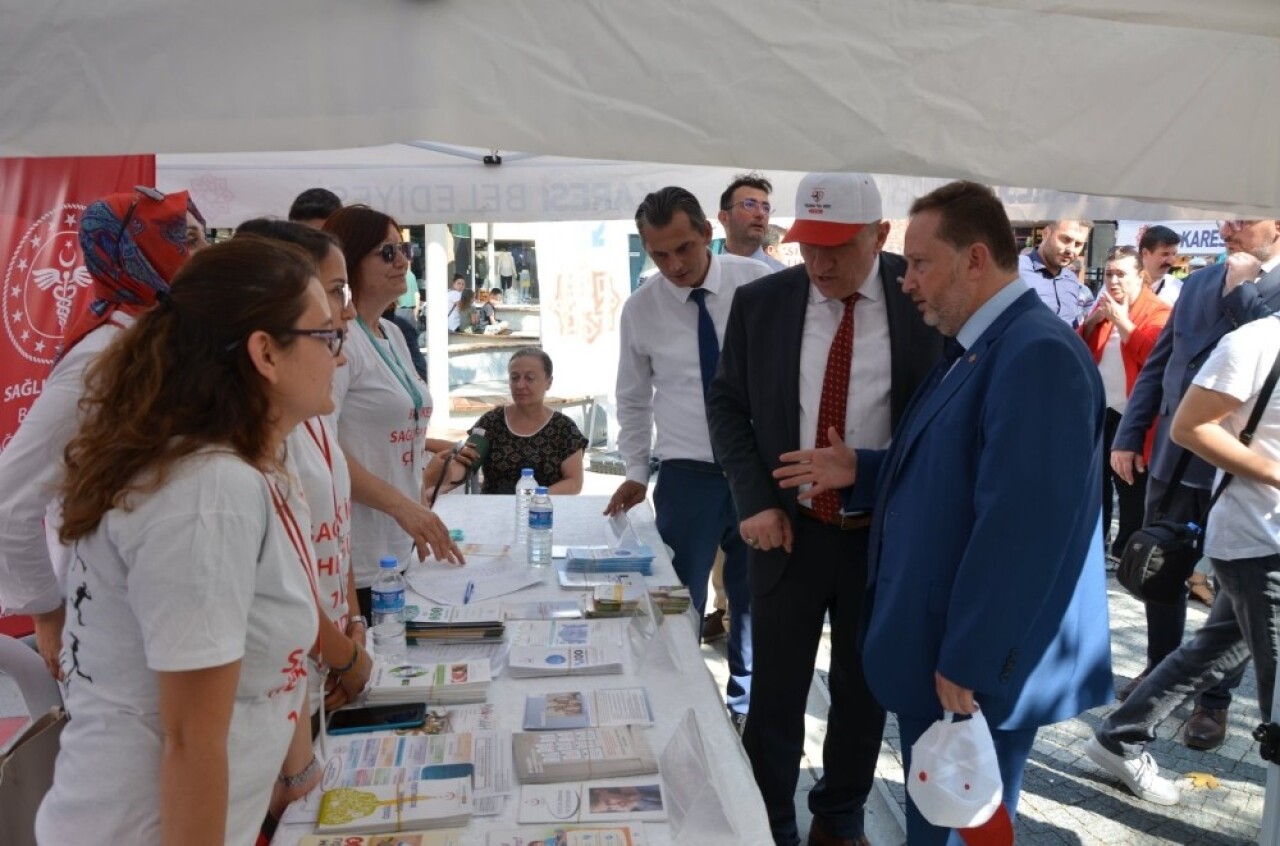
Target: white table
(579, 520)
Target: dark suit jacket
(754, 405)
(986, 553)
(1199, 320)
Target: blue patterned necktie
(708, 344)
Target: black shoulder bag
(1160, 557)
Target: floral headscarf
(133, 244)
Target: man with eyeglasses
(1047, 269)
(833, 345)
(1213, 302)
(744, 214)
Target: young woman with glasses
(191, 588)
(383, 408)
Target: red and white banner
(45, 283)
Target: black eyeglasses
(751, 204)
(388, 251)
(332, 338)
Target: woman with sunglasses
(195, 592)
(383, 408)
(133, 243)
(326, 482)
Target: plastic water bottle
(524, 495)
(540, 512)
(388, 611)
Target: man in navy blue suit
(1211, 304)
(986, 586)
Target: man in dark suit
(830, 343)
(1211, 305)
(986, 585)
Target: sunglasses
(751, 205)
(332, 338)
(388, 251)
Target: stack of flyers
(619, 706)
(440, 803)
(569, 835)
(435, 684)
(480, 623)
(593, 802)
(452, 837)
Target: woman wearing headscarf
(193, 581)
(383, 408)
(133, 244)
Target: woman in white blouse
(383, 408)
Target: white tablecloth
(579, 520)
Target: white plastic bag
(955, 777)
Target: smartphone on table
(378, 718)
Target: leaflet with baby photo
(574, 755)
(618, 706)
(620, 835)
(595, 801)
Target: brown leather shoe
(1123, 693)
(713, 627)
(1206, 729)
(1199, 589)
(818, 837)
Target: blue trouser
(1166, 624)
(1012, 750)
(1245, 620)
(695, 516)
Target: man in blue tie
(671, 330)
(986, 587)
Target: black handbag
(1160, 557)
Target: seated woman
(192, 590)
(528, 434)
(468, 314)
(488, 315)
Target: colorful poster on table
(45, 283)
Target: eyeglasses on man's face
(388, 251)
(1233, 225)
(332, 338)
(753, 205)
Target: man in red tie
(830, 343)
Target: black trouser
(1132, 498)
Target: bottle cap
(528, 471)
(387, 562)
(541, 491)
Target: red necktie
(835, 396)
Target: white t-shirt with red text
(197, 574)
(326, 485)
(379, 429)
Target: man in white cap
(832, 343)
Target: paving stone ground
(1066, 800)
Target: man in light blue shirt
(1047, 270)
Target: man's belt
(691, 464)
(843, 522)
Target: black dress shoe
(1123, 693)
(818, 837)
(1206, 729)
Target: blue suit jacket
(986, 554)
(1199, 320)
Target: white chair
(39, 689)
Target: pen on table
(466, 595)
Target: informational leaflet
(618, 706)
(611, 801)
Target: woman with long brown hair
(191, 601)
(383, 408)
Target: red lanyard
(300, 540)
(322, 443)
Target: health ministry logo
(44, 276)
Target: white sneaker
(1141, 774)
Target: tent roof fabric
(1161, 101)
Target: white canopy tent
(1160, 100)
(426, 182)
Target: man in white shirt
(671, 331)
(1158, 247)
(744, 214)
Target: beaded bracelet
(355, 656)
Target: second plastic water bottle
(540, 512)
(524, 495)
(388, 611)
